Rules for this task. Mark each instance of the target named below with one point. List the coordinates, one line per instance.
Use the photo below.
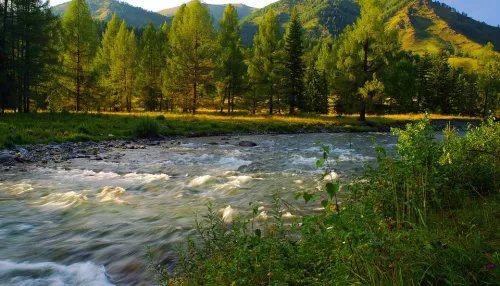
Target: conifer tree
(150, 67)
(162, 38)
(231, 67)
(80, 43)
(263, 68)
(294, 63)
(122, 74)
(103, 59)
(193, 49)
(489, 79)
(365, 48)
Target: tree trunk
(194, 98)
(3, 58)
(362, 103)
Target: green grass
(19, 129)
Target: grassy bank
(18, 129)
(428, 215)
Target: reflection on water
(87, 222)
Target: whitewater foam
(49, 273)
(62, 200)
(198, 181)
(111, 194)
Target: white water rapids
(85, 222)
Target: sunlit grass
(18, 129)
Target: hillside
(423, 25)
(216, 11)
(104, 10)
(321, 18)
(428, 26)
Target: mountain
(423, 25)
(216, 11)
(104, 10)
(320, 18)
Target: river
(88, 222)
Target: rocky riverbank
(59, 152)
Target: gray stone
(247, 144)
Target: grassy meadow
(42, 128)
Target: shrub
(146, 127)
(160, 117)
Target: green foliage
(193, 48)
(80, 43)
(294, 52)
(359, 238)
(147, 127)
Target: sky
(482, 10)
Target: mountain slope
(320, 18)
(104, 10)
(216, 11)
(428, 27)
(424, 26)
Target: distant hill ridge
(104, 10)
(216, 10)
(423, 25)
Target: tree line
(52, 63)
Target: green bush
(146, 127)
(160, 117)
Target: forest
(52, 63)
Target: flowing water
(87, 222)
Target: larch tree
(80, 43)
(193, 48)
(122, 70)
(264, 66)
(294, 64)
(150, 64)
(489, 79)
(103, 59)
(232, 67)
(162, 37)
(365, 48)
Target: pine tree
(193, 49)
(80, 43)
(294, 63)
(264, 67)
(231, 67)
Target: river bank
(46, 138)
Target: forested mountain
(424, 25)
(320, 18)
(104, 10)
(216, 11)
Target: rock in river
(247, 144)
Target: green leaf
(320, 162)
(307, 197)
(315, 197)
(298, 195)
(325, 203)
(332, 189)
(258, 232)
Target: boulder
(247, 144)
(7, 159)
